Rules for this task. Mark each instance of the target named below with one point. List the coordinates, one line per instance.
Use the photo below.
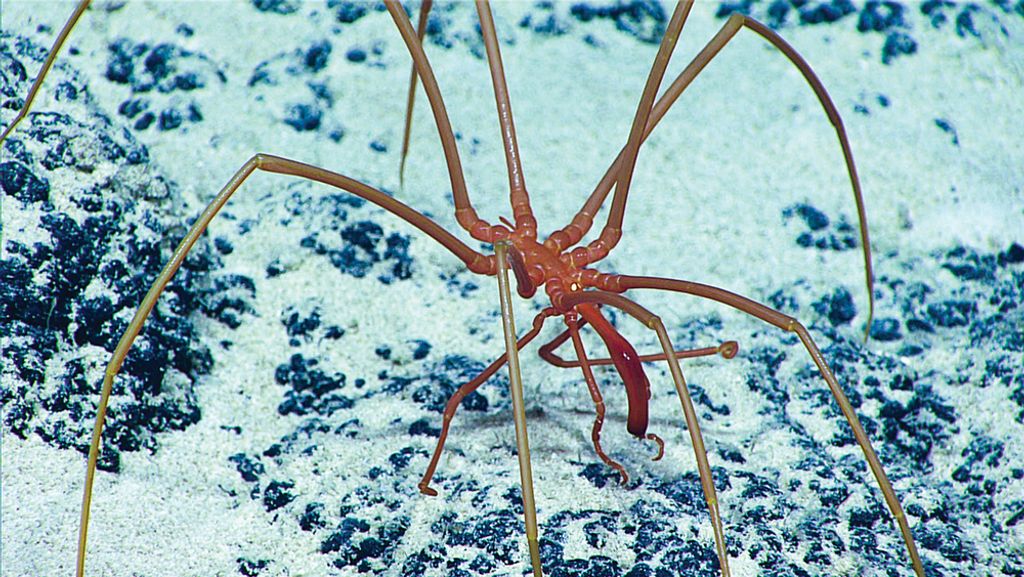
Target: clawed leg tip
(426, 490)
(661, 446)
(729, 349)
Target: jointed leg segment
(465, 214)
(47, 64)
(619, 174)
(595, 394)
(518, 406)
(728, 350)
(652, 321)
(410, 99)
(469, 387)
(612, 230)
(787, 323)
(581, 223)
(269, 163)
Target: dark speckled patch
(898, 21)
(818, 230)
(643, 19)
(955, 478)
(304, 66)
(72, 278)
(355, 246)
(161, 78)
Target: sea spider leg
(465, 214)
(469, 387)
(620, 283)
(581, 223)
(47, 64)
(515, 382)
(652, 321)
(473, 260)
(410, 100)
(520, 200)
(728, 350)
(612, 231)
(521, 211)
(595, 393)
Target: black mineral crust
(88, 223)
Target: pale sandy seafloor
(279, 411)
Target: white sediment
(745, 141)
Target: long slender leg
(652, 321)
(787, 323)
(518, 406)
(465, 214)
(706, 480)
(727, 349)
(612, 231)
(595, 394)
(517, 183)
(466, 389)
(268, 163)
(410, 100)
(583, 220)
(47, 64)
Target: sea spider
(557, 263)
